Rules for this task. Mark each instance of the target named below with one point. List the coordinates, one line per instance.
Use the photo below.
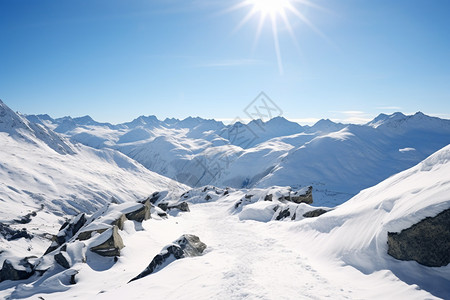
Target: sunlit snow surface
(339, 255)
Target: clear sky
(116, 60)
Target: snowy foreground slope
(338, 160)
(341, 254)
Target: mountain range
(338, 160)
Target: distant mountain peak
(417, 120)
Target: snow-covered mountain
(38, 167)
(338, 160)
(255, 249)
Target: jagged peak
(417, 120)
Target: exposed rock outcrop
(110, 243)
(67, 231)
(141, 214)
(23, 270)
(285, 213)
(183, 206)
(186, 246)
(427, 242)
(62, 259)
(300, 197)
(11, 234)
(315, 213)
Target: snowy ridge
(338, 160)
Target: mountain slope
(38, 167)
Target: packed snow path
(246, 260)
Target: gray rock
(23, 271)
(154, 197)
(191, 245)
(62, 260)
(11, 234)
(315, 213)
(66, 232)
(300, 198)
(119, 222)
(285, 213)
(85, 235)
(187, 245)
(141, 214)
(268, 197)
(112, 245)
(183, 206)
(427, 242)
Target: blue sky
(116, 60)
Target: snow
(338, 160)
(340, 255)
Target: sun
(269, 7)
(275, 12)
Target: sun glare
(275, 12)
(269, 7)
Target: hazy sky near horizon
(116, 60)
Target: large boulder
(108, 243)
(22, 270)
(427, 242)
(140, 214)
(187, 245)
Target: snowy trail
(253, 262)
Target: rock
(283, 214)
(72, 274)
(427, 242)
(186, 246)
(315, 213)
(154, 197)
(139, 215)
(183, 206)
(191, 245)
(85, 235)
(268, 197)
(62, 260)
(111, 243)
(119, 222)
(164, 206)
(10, 272)
(208, 197)
(11, 234)
(66, 232)
(296, 197)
